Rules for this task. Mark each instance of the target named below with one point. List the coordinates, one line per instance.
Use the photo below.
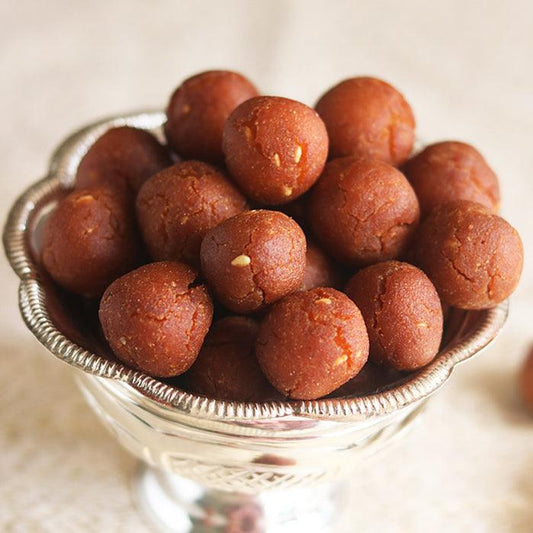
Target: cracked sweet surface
(526, 381)
(227, 368)
(177, 206)
(275, 148)
(90, 240)
(275, 247)
(310, 343)
(473, 257)
(125, 157)
(367, 117)
(155, 318)
(402, 313)
(320, 271)
(198, 109)
(363, 211)
(448, 171)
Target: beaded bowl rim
(34, 309)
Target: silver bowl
(210, 465)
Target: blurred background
(464, 66)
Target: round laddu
(363, 211)
(155, 318)
(124, 157)
(320, 271)
(473, 257)
(367, 117)
(310, 343)
(526, 381)
(177, 206)
(90, 240)
(198, 109)
(402, 313)
(227, 368)
(254, 259)
(275, 148)
(449, 171)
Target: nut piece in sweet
(155, 318)
(227, 368)
(363, 211)
(310, 343)
(124, 157)
(402, 313)
(198, 110)
(367, 117)
(526, 381)
(473, 257)
(254, 259)
(448, 171)
(320, 271)
(90, 240)
(275, 148)
(177, 206)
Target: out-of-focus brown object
(320, 271)
(198, 109)
(526, 381)
(367, 117)
(448, 171)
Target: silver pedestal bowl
(210, 465)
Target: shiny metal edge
(33, 306)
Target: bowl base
(173, 504)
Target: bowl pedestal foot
(175, 504)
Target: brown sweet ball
(198, 109)
(312, 342)
(90, 240)
(449, 171)
(402, 312)
(177, 206)
(526, 381)
(227, 368)
(367, 117)
(254, 259)
(473, 257)
(155, 318)
(275, 148)
(363, 211)
(124, 157)
(320, 271)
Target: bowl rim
(33, 307)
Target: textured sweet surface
(226, 367)
(320, 270)
(59, 465)
(363, 210)
(254, 259)
(367, 117)
(402, 313)
(452, 170)
(474, 258)
(124, 157)
(198, 109)
(177, 206)
(155, 318)
(312, 342)
(275, 148)
(90, 240)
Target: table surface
(466, 69)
